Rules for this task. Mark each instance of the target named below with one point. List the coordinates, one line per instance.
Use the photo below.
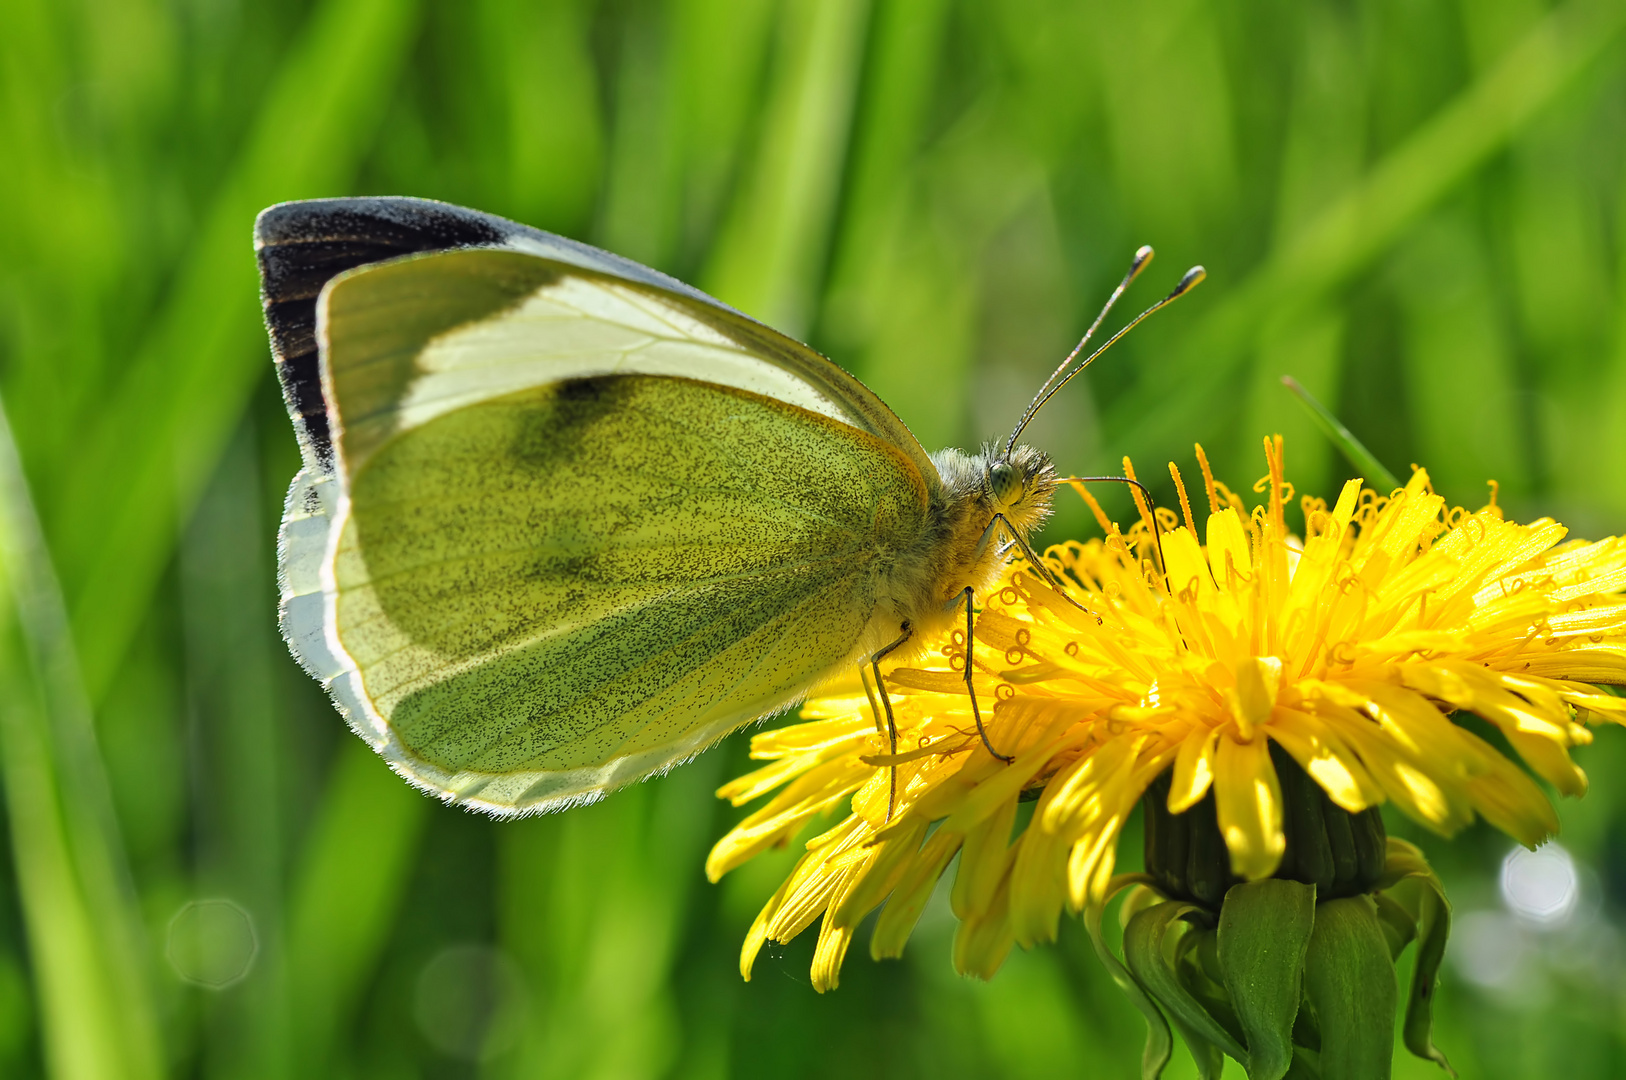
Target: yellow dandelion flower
(1220, 667)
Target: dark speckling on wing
(649, 555)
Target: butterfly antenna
(1191, 280)
(1139, 263)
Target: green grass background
(1416, 207)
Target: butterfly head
(1020, 485)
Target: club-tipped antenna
(1139, 263)
(1189, 281)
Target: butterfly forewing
(578, 525)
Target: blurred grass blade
(718, 52)
(1463, 360)
(902, 72)
(771, 255)
(189, 379)
(80, 1028)
(79, 907)
(900, 287)
(542, 140)
(345, 895)
(593, 905)
(238, 730)
(1354, 230)
(1344, 439)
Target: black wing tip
(302, 245)
(401, 219)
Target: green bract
(1286, 986)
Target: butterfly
(564, 521)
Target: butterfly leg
(970, 690)
(906, 632)
(999, 521)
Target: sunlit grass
(1415, 209)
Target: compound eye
(1004, 483)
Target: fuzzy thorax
(957, 548)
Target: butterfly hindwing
(559, 590)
